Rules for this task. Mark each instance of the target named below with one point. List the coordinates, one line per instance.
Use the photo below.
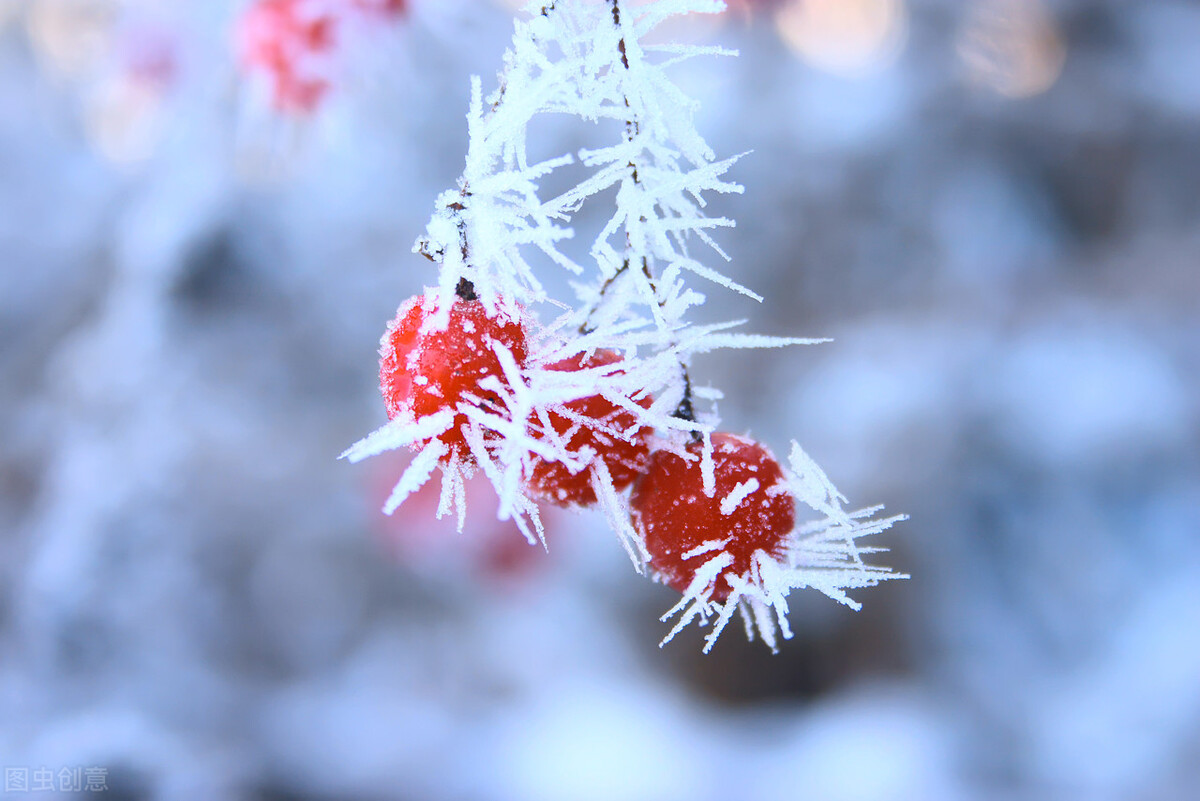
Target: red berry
(604, 433)
(392, 8)
(299, 95)
(485, 547)
(750, 510)
(281, 38)
(423, 372)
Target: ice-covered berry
(595, 425)
(684, 528)
(423, 371)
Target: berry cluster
(597, 407)
(450, 375)
(292, 44)
(705, 537)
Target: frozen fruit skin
(423, 373)
(674, 516)
(625, 459)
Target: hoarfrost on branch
(590, 59)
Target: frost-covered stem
(685, 410)
(465, 289)
(479, 230)
(630, 127)
(456, 209)
(586, 326)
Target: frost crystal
(634, 295)
(734, 499)
(822, 554)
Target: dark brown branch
(685, 410)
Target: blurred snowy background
(991, 205)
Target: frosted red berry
(423, 372)
(751, 509)
(604, 433)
